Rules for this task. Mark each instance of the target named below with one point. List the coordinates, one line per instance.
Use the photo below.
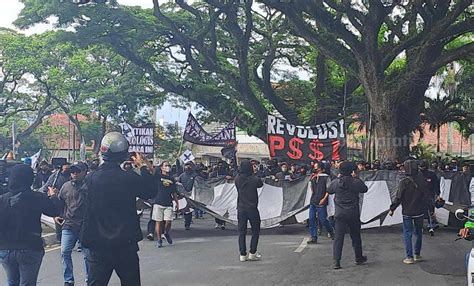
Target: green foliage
(227, 57)
(423, 151)
(92, 131)
(169, 142)
(42, 74)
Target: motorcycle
(461, 215)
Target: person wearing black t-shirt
(163, 203)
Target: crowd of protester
(67, 192)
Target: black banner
(194, 133)
(140, 138)
(308, 143)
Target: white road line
(302, 246)
(52, 248)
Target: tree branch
(453, 55)
(331, 48)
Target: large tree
(42, 74)
(227, 55)
(229, 58)
(23, 99)
(368, 37)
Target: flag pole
(15, 151)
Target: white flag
(82, 152)
(35, 159)
(187, 156)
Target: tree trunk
(392, 143)
(103, 126)
(438, 138)
(391, 124)
(450, 138)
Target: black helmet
(114, 147)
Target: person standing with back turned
(21, 245)
(247, 210)
(111, 227)
(347, 189)
(413, 195)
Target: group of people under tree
(96, 205)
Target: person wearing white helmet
(111, 228)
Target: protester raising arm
(20, 227)
(144, 182)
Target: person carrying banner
(222, 170)
(284, 174)
(42, 175)
(432, 182)
(111, 228)
(21, 245)
(163, 203)
(72, 198)
(347, 213)
(247, 210)
(319, 201)
(55, 183)
(186, 179)
(57, 179)
(413, 195)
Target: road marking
(302, 246)
(52, 248)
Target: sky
(11, 8)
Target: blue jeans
(21, 266)
(68, 241)
(198, 213)
(412, 226)
(322, 212)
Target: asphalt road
(205, 256)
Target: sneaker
(168, 238)
(331, 236)
(159, 243)
(418, 258)
(312, 240)
(254, 257)
(362, 261)
(408, 260)
(336, 265)
(243, 258)
(431, 231)
(150, 236)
